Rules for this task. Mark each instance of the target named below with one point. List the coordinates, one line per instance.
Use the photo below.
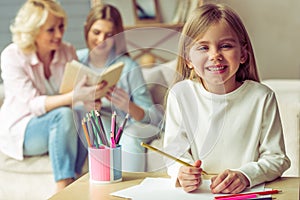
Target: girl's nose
(215, 55)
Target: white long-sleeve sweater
(240, 130)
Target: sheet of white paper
(156, 188)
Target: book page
(75, 71)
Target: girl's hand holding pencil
(169, 156)
(186, 176)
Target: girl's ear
(189, 64)
(244, 54)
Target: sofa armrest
(288, 96)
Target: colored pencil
(112, 139)
(249, 196)
(91, 131)
(121, 129)
(96, 131)
(85, 131)
(169, 156)
(105, 141)
(258, 193)
(262, 198)
(113, 123)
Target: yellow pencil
(168, 155)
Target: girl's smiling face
(216, 58)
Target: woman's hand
(84, 93)
(229, 182)
(92, 105)
(190, 177)
(119, 98)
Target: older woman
(35, 119)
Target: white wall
(273, 25)
(166, 7)
(274, 28)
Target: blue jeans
(56, 133)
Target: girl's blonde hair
(110, 13)
(29, 19)
(196, 26)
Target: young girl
(219, 117)
(104, 35)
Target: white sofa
(33, 179)
(287, 92)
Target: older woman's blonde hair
(31, 16)
(196, 26)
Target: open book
(75, 71)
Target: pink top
(25, 92)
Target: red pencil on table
(242, 197)
(257, 193)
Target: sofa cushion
(158, 79)
(156, 84)
(169, 70)
(34, 164)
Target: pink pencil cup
(105, 164)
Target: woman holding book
(34, 118)
(105, 40)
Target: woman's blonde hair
(196, 26)
(31, 16)
(110, 13)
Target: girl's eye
(226, 46)
(202, 48)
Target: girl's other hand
(119, 98)
(82, 92)
(229, 182)
(190, 177)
